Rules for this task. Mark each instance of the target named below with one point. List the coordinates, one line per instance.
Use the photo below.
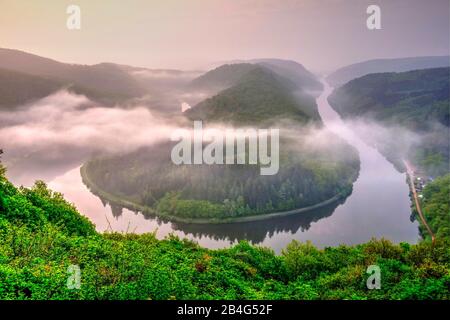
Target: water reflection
(258, 231)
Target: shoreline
(144, 209)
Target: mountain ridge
(356, 70)
(253, 94)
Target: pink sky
(321, 34)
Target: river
(379, 206)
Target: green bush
(41, 235)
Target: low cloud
(64, 118)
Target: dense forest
(257, 96)
(149, 178)
(436, 207)
(42, 236)
(416, 101)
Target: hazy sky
(321, 34)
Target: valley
(234, 152)
(143, 191)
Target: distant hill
(294, 71)
(222, 77)
(108, 80)
(415, 100)
(353, 71)
(228, 74)
(17, 88)
(153, 80)
(256, 95)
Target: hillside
(222, 77)
(17, 88)
(293, 71)
(357, 70)
(417, 101)
(41, 235)
(147, 179)
(230, 73)
(256, 95)
(436, 207)
(107, 80)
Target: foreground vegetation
(41, 235)
(436, 207)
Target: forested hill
(17, 88)
(436, 208)
(416, 100)
(353, 71)
(222, 77)
(256, 95)
(294, 71)
(229, 74)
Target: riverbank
(114, 199)
(410, 173)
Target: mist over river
(379, 205)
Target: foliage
(260, 96)
(2, 168)
(41, 235)
(146, 177)
(436, 207)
